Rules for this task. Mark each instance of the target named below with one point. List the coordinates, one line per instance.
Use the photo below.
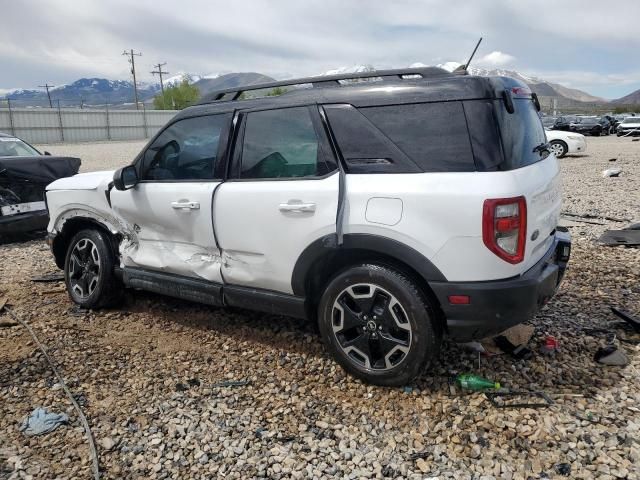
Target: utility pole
(160, 73)
(47, 86)
(131, 54)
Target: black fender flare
(325, 246)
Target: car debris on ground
(631, 320)
(611, 355)
(629, 237)
(612, 172)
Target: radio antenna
(466, 66)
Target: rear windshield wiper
(543, 147)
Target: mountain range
(96, 91)
(99, 91)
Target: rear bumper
(497, 305)
(24, 222)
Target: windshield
(589, 121)
(631, 120)
(523, 138)
(13, 147)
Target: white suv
(394, 207)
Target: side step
(186, 288)
(211, 293)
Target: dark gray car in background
(24, 174)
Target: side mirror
(125, 178)
(47, 153)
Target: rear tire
(559, 148)
(378, 325)
(89, 270)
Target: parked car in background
(586, 126)
(24, 175)
(606, 125)
(630, 126)
(548, 122)
(346, 204)
(562, 143)
(564, 122)
(613, 123)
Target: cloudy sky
(586, 44)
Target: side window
(364, 147)
(281, 144)
(433, 135)
(187, 150)
(484, 134)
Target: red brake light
(521, 91)
(504, 227)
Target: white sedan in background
(562, 142)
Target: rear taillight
(504, 227)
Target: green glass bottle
(474, 382)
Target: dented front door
(168, 214)
(172, 228)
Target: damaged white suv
(394, 207)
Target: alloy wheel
(84, 268)
(557, 149)
(371, 326)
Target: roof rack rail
(323, 81)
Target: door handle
(185, 205)
(297, 206)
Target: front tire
(378, 325)
(558, 148)
(89, 270)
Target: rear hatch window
(523, 137)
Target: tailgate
(542, 187)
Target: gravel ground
(148, 376)
(99, 155)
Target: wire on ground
(83, 419)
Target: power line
(47, 86)
(131, 54)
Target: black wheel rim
(84, 268)
(371, 327)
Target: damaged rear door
(168, 214)
(281, 196)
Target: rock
(422, 465)
(476, 451)
(107, 443)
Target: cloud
(65, 42)
(496, 59)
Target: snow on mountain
(351, 69)
(180, 77)
(542, 87)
